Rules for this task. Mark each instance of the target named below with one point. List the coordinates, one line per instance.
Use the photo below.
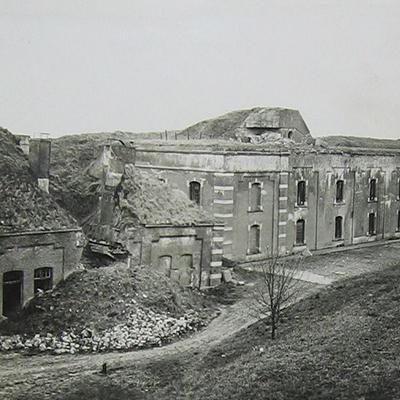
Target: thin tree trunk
(273, 328)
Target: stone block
(227, 275)
(215, 279)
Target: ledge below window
(339, 203)
(256, 210)
(305, 205)
(298, 248)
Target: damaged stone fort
(242, 187)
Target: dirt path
(19, 373)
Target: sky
(70, 66)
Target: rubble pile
(107, 309)
(143, 328)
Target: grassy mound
(360, 142)
(25, 207)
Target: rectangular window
(255, 197)
(194, 191)
(339, 191)
(301, 193)
(338, 227)
(254, 239)
(398, 221)
(371, 224)
(43, 279)
(372, 189)
(300, 224)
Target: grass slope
(343, 343)
(25, 207)
(362, 142)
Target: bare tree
(277, 289)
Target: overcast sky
(142, 65)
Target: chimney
(39, 159)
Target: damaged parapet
(39, 159)
(157, 224)
(113, 159)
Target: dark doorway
(12, 292)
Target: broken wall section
(156, 223)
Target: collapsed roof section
(139, 199)
(24, 206)
(136, 197)
(153, 202)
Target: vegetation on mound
(25, 207)
(71, 187)
(109, 308)
(359, 142)
(342, 343)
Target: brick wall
(60, 250)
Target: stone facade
(186, 254)
(227, 177)
(55, 252)
(321, 173)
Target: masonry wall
(186, 254)
(225, 179)
(60, 250)
(321, 172)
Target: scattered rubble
(106, 309)
(143, 328)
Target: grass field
(342, 343)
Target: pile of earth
(24, 207)
(107, 309)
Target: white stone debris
(143, 328)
